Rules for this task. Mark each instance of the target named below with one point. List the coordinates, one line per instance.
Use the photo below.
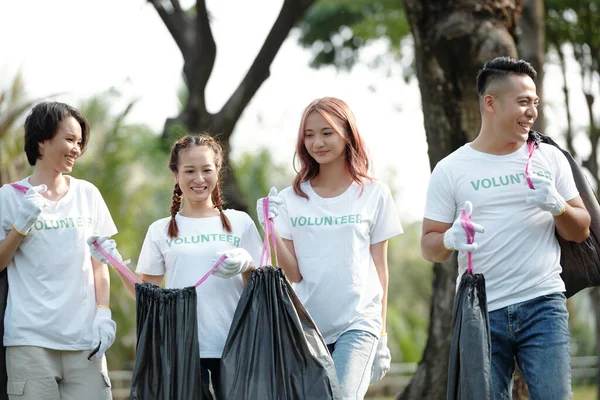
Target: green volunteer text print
(65, 223)
(205, 238)
(324, 221)
(505, 180)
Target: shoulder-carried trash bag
(580, 261)
(167, 362)
(274, 349)
(470, 368)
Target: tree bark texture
(453, 39)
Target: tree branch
(176, 22)
(291, 12)
(198, 66)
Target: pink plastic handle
(269, 235)
(531, 148)
(465, 222)
(20, 188)
(133, 278)
(210, 271)
(265, 255)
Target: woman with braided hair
(183, 247)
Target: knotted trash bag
(274, 349)
(580, 261)
(469, 368)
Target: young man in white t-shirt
(515, 245)
(57, 310)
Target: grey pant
(36, 373)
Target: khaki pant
(36, 373)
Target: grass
(579, 393)
(584, 393)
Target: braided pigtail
(175, 206)
(218, 202)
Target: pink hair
(357, 160)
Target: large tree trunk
(452, 41)
(532, 49)
(192, 33)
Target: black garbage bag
(3, 299)
(469, 370)
(274, 350)
(167, 364)
(580, 261)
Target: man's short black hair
(42, 123)
(500, 68)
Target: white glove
(104, 331)
(455, 238)
(238, 260)
(382, 361)
(109, 245)
(31, 208)
(274, 203)
(545, 196)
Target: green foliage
(129, 168)
(577, 23)
(256, 173)
(337, 29)
(175, 131)
(13, 105)
(409, 296)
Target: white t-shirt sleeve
(105, 225)
(282, 221)
(151, 261)
(5, 223)
(386, 223)
(251, 241)
(440, 204)
(564, 182)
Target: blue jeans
(536, 332)
(353, 355)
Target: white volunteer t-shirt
(518, 254)
(185, 259)
(340, 287)
(51, 298)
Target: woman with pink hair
(333, 228)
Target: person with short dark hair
(57, 312)
(517, 199)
